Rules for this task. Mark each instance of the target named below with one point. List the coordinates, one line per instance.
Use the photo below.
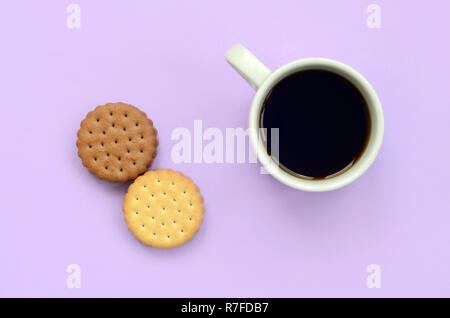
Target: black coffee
(323, 122)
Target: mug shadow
(310, 207)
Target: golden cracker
(163, 208)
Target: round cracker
(163, 208)
(117, 142)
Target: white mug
(263, 80)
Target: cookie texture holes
(106, 130)
(161, 205)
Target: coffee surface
(323, 123)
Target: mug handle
(247, 65)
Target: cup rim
(375, 139)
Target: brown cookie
(117, 142)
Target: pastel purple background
(259, 238)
